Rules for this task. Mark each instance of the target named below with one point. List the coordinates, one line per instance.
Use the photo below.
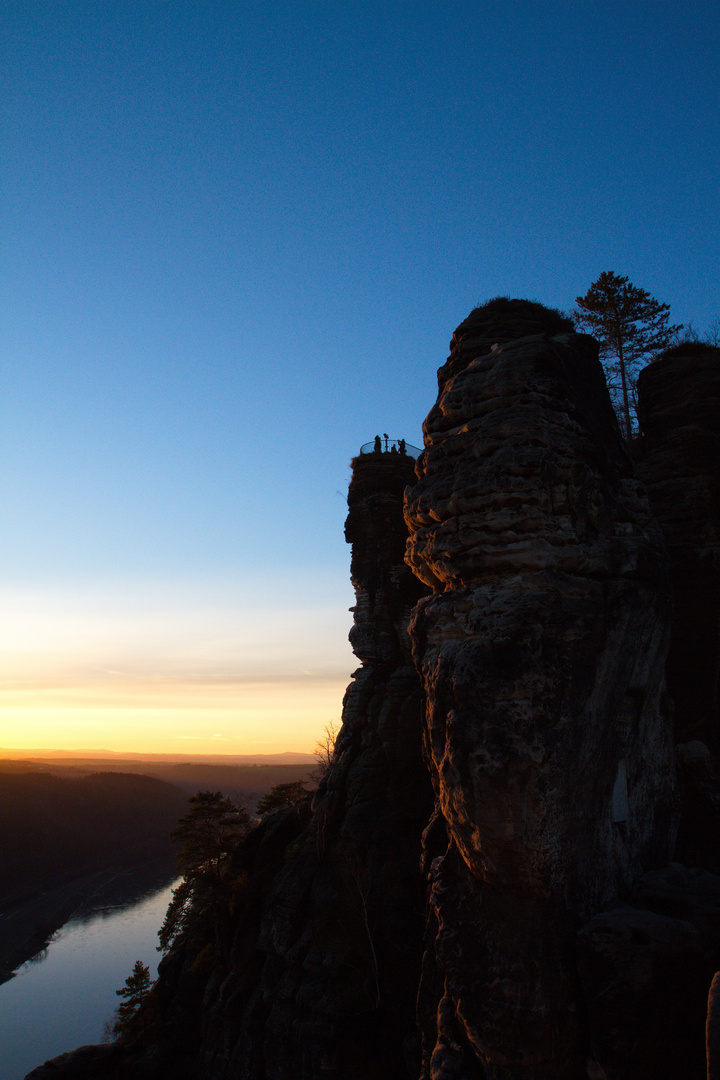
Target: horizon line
(139, 754)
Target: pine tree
(282, 795)
(632, 329)
(208, 834)
(134, 991)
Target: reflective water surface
(65, 997)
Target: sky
(237, 237)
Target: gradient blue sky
(237, 239)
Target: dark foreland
(242, 776)
(510, 868)
(71, 825)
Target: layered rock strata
(542, 651)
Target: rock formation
(541, 652)
(645, 967)
(530, 743)
(679, 461)
(679, 410)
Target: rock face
(542, 650)
(679, 409)
(679, 461)
(645, 969)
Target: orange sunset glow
(126, 671)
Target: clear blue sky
(237, 238)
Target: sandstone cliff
(679, 409)
(342, 927)
(679, 461)
(548, 730)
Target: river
(65, 997)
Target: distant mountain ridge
(65, 821)
(244, 781)
(289, 757)
(55, 827)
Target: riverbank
(27, 928)
(68, 997)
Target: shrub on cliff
(508, 318)
(496, 322)
(691, 347)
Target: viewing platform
(386, 445)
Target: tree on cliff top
(632, 329)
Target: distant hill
(53, 828)
(288, 757)
(69, 823)
(245, 781)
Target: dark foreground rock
(86, 1061)
(679, 409)
(548, 730)
(645, 969)
(679, 461)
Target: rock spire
(541, 651)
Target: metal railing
(386, 445)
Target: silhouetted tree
(134, 991)
(282, 795)
(208, 834)
(632, 328)
(324, 750)
(710, 337)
